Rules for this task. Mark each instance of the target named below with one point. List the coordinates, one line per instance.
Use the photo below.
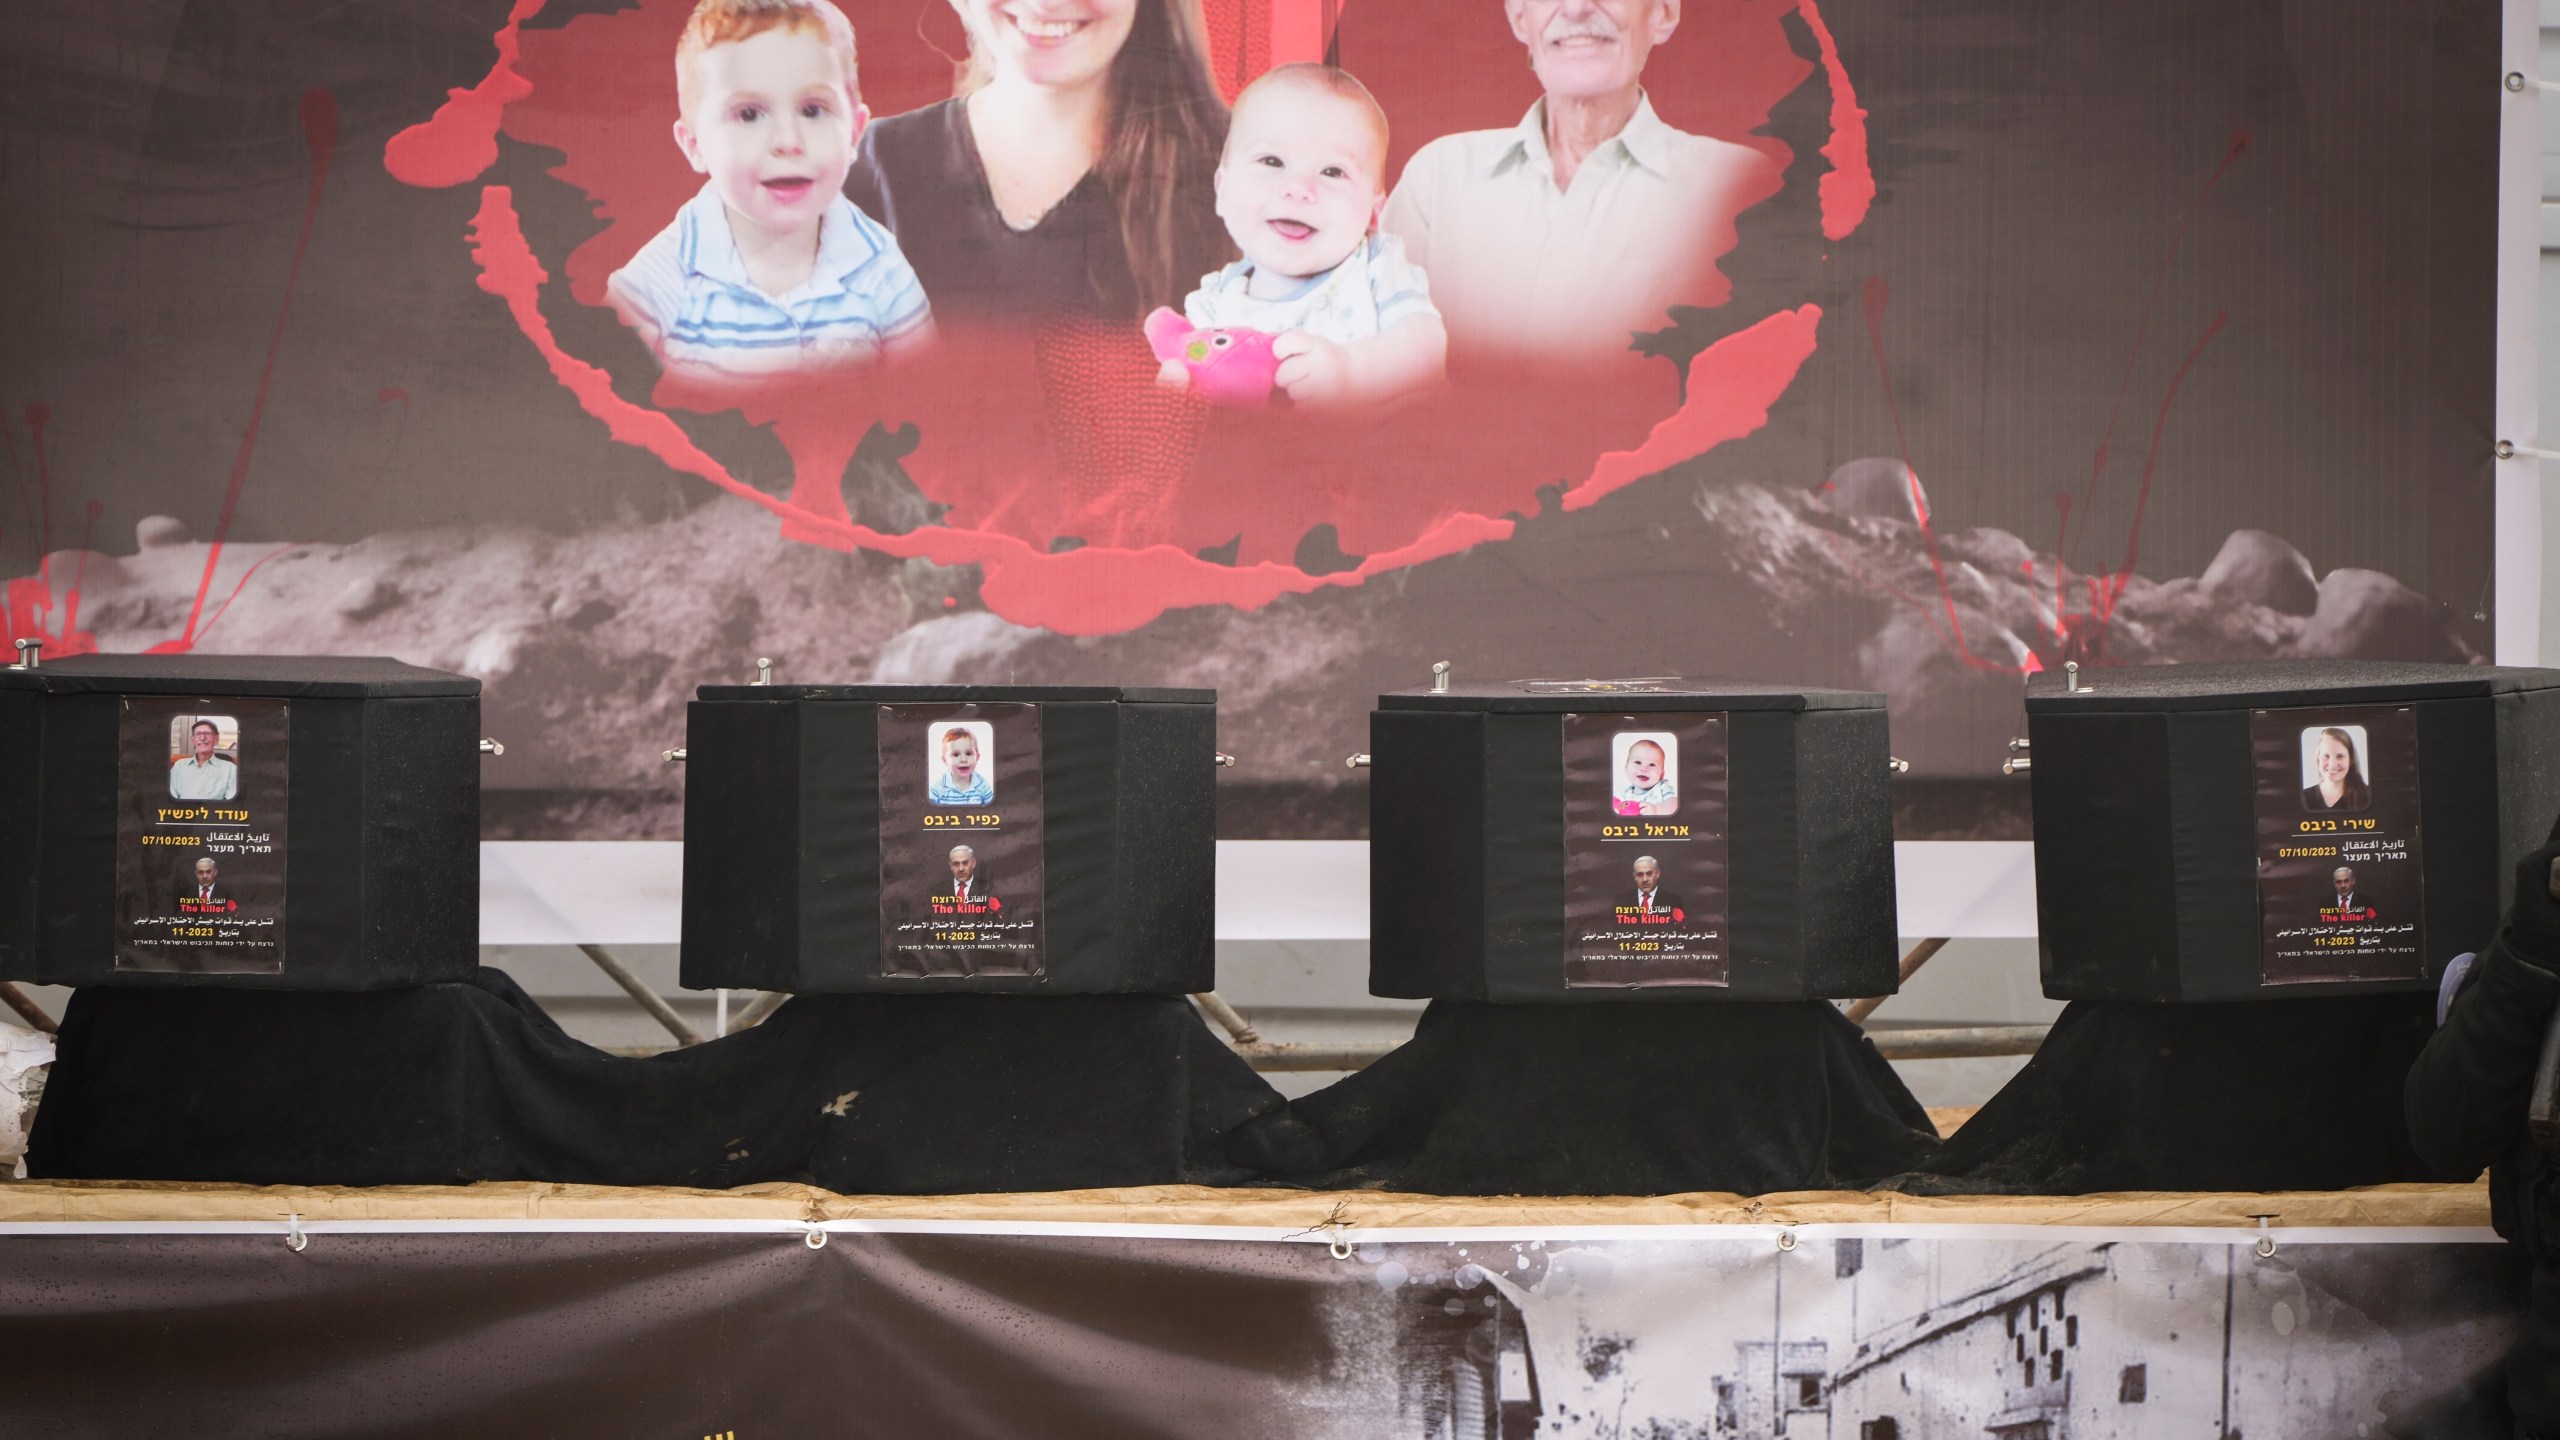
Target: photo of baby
(2334, 772)
(769, 268)
(204, 758)
(1647, 764)
(1300, 187)
(962, 763)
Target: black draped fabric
(452, 1083)
(2236, 1095)
(1491, 1099)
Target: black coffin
(813, 849)
(1493, 875)
(339, 810)
(2184, 847)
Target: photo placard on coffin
(2276, 829)
(1647, 840)
(983, 838)
(249, 821)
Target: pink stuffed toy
(1227, 367)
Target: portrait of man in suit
(967, 888)
(204, 892)
(1650, 897)
(2343, 881)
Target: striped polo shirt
(688, 291)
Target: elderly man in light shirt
(204, 775)
(1557, 240)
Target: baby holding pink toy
(1349, 319)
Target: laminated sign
(1644, 850)
(200, 835)
(960, 819)
(2341, 886)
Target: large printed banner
(597, 348)
(1819, 1333)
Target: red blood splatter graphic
(2081, 637)
(2061, 540)
(2238, 147)
(320, 133)
(509, 271)
(1091, 500)
(2151, 457)
(25, 606)
(1850, 187)
(1875, 300)
(27, 601)
(461, 142)
(242, 584)
(80, 571)
(1734, 384)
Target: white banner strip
(570, 892)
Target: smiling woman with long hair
(2340, 782)
(1070, 172)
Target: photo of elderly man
(1554, 241)
(201, 772)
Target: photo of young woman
(2334, 769)
(1069, 174)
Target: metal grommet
(1786, 1239)
(1338, 1247)
(294, 1239)
(2516, 81)
(815, 1237)
(2266, 1247)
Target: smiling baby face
(1302, 180)
(1644, 765)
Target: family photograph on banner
(1276, 346)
